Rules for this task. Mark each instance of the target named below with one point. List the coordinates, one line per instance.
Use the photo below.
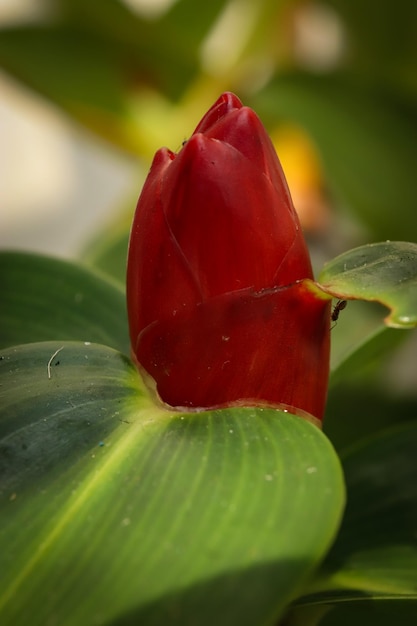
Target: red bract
(221, 303)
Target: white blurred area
(57, 183)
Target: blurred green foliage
(343, 71)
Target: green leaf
(376, 551)
(356, 411)
(58, 402)
(384, 272)
(45, 298)
(371, 612)
(108, 251)
(117, 511)
(111, 257)
(360, 612)
(367, 355)
(362, 399)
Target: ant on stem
(339, 306)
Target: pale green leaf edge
(340, 278)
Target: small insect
(339, 306)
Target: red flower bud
(221, 303)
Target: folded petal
(270, 347)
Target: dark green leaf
(367, 356)
(376, 550)
(117, 511)
(377, 612)
(364, 399)
(45, 298)
(360, 611)
(58, 402)
(356, 410)
(383, 272)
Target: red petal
(215, 312)
(271, 346)
(226, 103)
(230, 122)
(232, 227)
(159, 280)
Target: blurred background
(90, 90)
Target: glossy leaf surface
(385, 272)
(116, 511)
(46, 298)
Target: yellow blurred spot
(303, 171)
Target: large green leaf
(385, 272)
(45, 298)
(375, 553)
(116, 511)
(58, 402)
